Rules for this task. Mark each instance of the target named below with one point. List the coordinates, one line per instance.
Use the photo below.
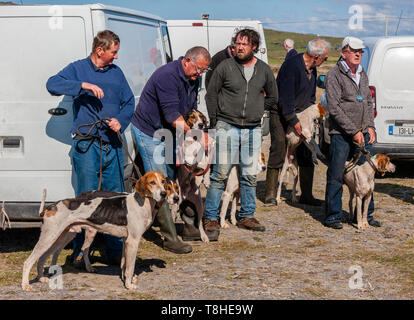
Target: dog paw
(91, 269)
(131, 286)
(27, 287)
(204, 238)
(278, 202)
(224, 225)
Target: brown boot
(250, 224)
(306, 182)
(272, 178)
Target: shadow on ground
(396, 191)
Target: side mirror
(320, 82)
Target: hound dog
(231, 193)
(90, 233)
(197, 120)
(307, 120)
(126, 215)
(173, 198)
(360, 181)
(195, 161)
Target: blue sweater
(118, 101)
(296, 90)
(167, 95)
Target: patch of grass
(316, 243)
(316, 291)
(276, 53)
(401, 259)
(131, 295)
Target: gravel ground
(295, 258)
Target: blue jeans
(234, 146)
(153, 153)
(339, 152)
(85, 156)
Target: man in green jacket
(238, 93)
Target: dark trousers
(277, 151)
(341, 150)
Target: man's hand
(359, 138)
(371, 132)
(298, 129)
(114, 124)
(95, 90)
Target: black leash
(89, 136)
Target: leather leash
(89, 136)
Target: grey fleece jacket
(232, 99)
(347, 115)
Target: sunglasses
(354, 50)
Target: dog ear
(141, 186)
(322, 110)
(382, 161)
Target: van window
(365, 58)
(397, 72)
(167, 44)
(140, 51)
(31, 50)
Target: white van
(388, 62)
(39, 41)
(214, 35)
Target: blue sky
(322, 17)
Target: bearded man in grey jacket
(238, 93)
(351, 125)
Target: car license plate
(400, 131)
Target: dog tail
(42, 204)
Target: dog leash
(368, 157)
(89, 136)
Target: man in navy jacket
(169, 94)
(100, 92)
(296, 82)
(288, 45)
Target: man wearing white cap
(351, 123)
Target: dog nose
(201, 126)
(176, 199)
(163, 194)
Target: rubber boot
(191, 231)
(306, 182)
(167, 228)
(272, 178)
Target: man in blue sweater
(100, 92)
(169, 94)
(296, 82)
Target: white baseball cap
(354, 43)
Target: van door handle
(57, 111)
(11, 143)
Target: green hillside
(276, 53)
